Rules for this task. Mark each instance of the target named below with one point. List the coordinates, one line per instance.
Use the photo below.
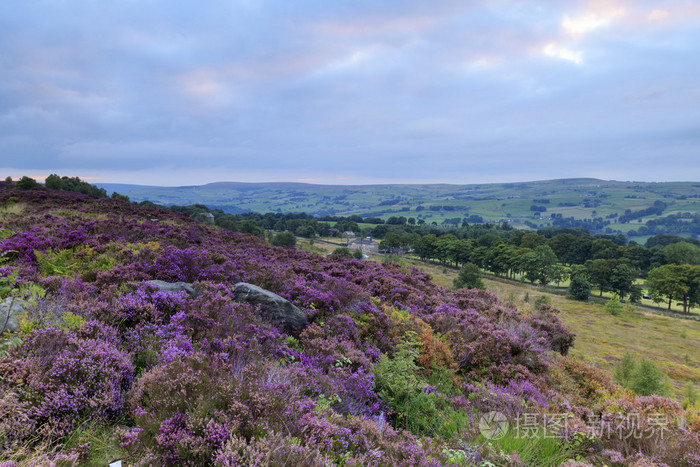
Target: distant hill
(604, 206)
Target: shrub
(343, 251)
(55, 381)
(188, 408)
(469, 277)
(641, 376)
(285, 239)
(415, 404)
(691, 395)
(26, 183)
(648, 379)
(625, 370)
(542, 300)
(120, 197)
(614, 307)
(579, 289)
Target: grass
(602, 339)
(11, 209)
(315, 246)
(103, 443)
(96, 445)
(71, 212)
(536, 450)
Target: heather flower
(55, 380)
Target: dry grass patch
(11, 209)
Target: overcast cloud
(173, 93)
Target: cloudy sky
(362, 91)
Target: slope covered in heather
(390, 369)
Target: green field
(501, 202)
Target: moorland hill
(387, 368)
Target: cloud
(591, 20)
(369, 89)
(658, 15)
(564, 53)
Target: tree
(579, 251)
(478, 256)
(306, 231)
(53, 182)
(426, 247)
(498, 258)
(380, 231)
(469, 277)
(285, 239)
(391, 243)
(579, 289)
(463, 249)
(579, 270)
(560, 245)
(621, 280)
(26, 183)
(636, 293)
(116, 195)
(599, 272)
(625, 370)
(664, 281)
(682, 253)
(675, 282)
(540, 265)
(532, 240)
(446, 247)
(638, 257)
(604, 248)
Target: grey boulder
(280, 311)
(174, 287)
(9, 309)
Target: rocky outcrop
(175, 287)
(280, 311)
(9, 309)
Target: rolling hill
(607, 206)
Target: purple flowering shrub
(511, 400)
(504, 351)
(56, 380)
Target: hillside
(606, 206)
(366, 364)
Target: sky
(350, 92)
